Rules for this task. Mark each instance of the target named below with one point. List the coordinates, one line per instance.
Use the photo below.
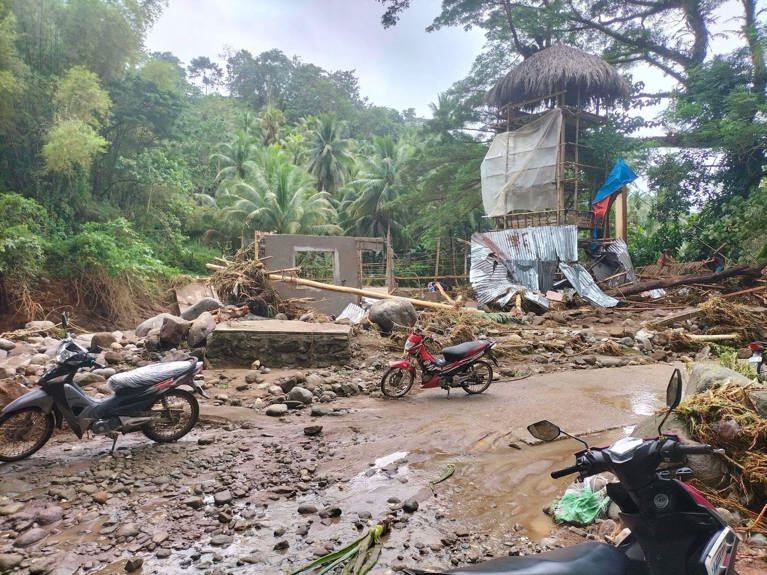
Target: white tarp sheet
(519, 169)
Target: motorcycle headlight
(68, 350)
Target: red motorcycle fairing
(401, 364)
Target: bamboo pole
(365, 293)
(436, 261)
(713, 337)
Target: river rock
(410, 505)
(389, 314)
(222, 497)
(87, 378)
(221, 540)
(307, 509)
(43, 325)
(6, 344)
(10, 390)
(9, 561)
(38, 359)
(103, 339)
(301, 394)
(206, 304)
(173, 331)
(134, 564)
(30, 537)
(128, 530)
(707, 375)
(276, 410)
(152, 323)
(50, 514)
(759, 400)
(201, 327)
(312, 430)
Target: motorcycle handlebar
(566, 471)
(694, 449)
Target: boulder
(206, 304)
(173, 331)
(276, 410)
(103, 339)
(6, 344)
(301, 394)
(201, 327)
(707, 375)
(389, 314)
(88, 378)
(10, 390)
(759, 400)
(155, 322)
(43, 325)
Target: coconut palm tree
(235, 159)
(379, 184)
(329, 153)
(280, 197)
(271, 120)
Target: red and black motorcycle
(462, 366)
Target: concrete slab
(279, 343)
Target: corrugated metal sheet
(489, 277)
(621, 250)
(585, 285)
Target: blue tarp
(619, 176)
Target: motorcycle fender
(493, 359)
(401, 364)
(34, 398)
(198, 388)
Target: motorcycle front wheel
(175, 414)
(23, 432)
(396, 382)
(479, 378)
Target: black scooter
(674, 530)
(146, 399)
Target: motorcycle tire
(392, 384)
(487, 378)
(17, 424)
(167, 428)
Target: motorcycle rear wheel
(396, 383)
(479, 378)
(177, 412)
(23, 432)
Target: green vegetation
(120, 167)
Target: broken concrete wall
(282, 250)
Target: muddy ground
(247, 493)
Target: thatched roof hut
(560, 68)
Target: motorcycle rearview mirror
(544, 430)
(673, 396)
(547, 431)
(64, 320)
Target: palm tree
(271, 120)
(235, 159)
(328, 153)
(379, 184)
(280, 197)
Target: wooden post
(436, 262)
(561, 164)
(256, 239)
(621, 214)
(390, 282)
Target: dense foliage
(116, 163)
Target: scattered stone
(757, 540)
(301, 394)
(6, 344)
(43, 325)
(410, 505)
(134, 564)
(30, 537)
(194, 502)
(221, 540)
(103, 339)
(281, 545)
(276, 410)
(206, 304)
(222, 497)
(128, 530)
(307, 509)
(312, 430)
(9, 561)
(330, 512)
(49, 515)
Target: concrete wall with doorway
(284, 250)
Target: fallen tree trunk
(365, 293)
(713, 277)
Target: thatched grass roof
(555, 69)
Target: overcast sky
(401, 67)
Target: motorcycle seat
(583, 559)
(462, 350)
(149, 375)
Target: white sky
(401, 67)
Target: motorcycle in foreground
(674, 530)
(462, 366)
(147, 399)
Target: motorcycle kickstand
(114, 437)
